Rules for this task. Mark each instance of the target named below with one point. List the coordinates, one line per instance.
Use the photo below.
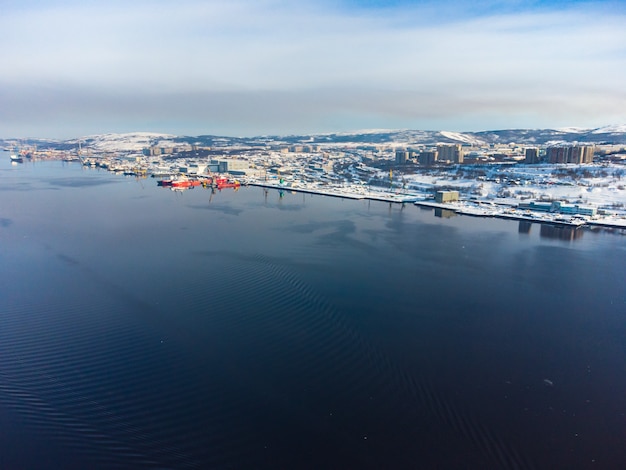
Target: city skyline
(273, 67)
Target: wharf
(501, 213)
(498, 210)
(618, 224)
(397, 198)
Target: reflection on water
(524, 226)
(444, 213)
(561, 232)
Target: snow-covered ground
(603, 186)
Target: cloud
(322, 109)
(287, 65)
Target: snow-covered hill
(614, 129)
(136, 141)
(129, 142)
(462, 138)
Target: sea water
(146, 328)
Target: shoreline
(490, 208)
(477, 210)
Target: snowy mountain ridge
(137, 141)
(613, 129)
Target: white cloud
(397, 65)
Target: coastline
(487, 207)
(473, 209)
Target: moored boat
(222, 183)
(185, 183)
(16, 157)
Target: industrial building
(446, 196)
(573, 209)
(559, 207)
(235, 167)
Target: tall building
(450, 153)
(531, 155)
(402, 156)
(570, 154)
(428, 157)
(582, 154)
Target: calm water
(143, 328)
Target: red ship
(222, 183)
(185, 183)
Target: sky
(256, 67)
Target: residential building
(402, 156)
(450, 153)
(570, 154)
(531, 155)
(428, 157)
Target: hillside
(135, 141)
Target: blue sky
(244, 67)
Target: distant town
(573, 177)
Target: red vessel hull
(228, 185)
(222, 183)
(185, 184)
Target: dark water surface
(143, 328)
